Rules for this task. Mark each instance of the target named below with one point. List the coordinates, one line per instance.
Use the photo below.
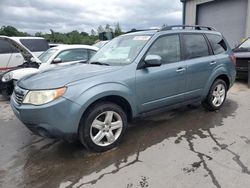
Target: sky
(66, 15)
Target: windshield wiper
(99, 63)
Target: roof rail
(137, 30)
(194, 27)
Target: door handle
(180, 69)
(213, 63)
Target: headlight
(7, 77)
(43, 96)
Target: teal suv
(133, 74)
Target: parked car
(10, 56)
(242, 53)
(132, 75)
(51, 45)
(100, 44)
(61, 55)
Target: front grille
(19, 94)
(242, 64)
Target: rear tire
(216, 96)
(102, 127)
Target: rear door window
(35, 45)
(195, 46)
(5, 47)
(217, 43)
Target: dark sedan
(242, 53)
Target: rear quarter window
(35, 45)
(217, 43)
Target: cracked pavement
(186, 147)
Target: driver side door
(163, 85)
(71, 56)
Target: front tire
(7, 89)
(216, 96)
(103, 126)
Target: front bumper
(242, 67)
(242, 74)
(56, 119)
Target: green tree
(100, 29)
(38, 34)
(11, 31)
(108, 28)
(93, 33)
(73, 37)
(118, 30)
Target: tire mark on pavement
(203, 161)
(236, 157)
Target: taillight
(233, 58)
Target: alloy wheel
(106, 128)
(219, 94)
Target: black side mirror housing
(152, 61)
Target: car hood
(26, 53)
(242, 54)
(59, 77)
(17, 74)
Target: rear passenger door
(200, 62)
(219, 49)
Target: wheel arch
(218, 74)
(225, 78)
(116, 93)
(116, 99)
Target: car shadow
(48, 163)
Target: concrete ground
(188, 147)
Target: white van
(11, 58)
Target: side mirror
(57, 60)
(33, 60)
(152, 61)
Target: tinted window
(5, 47)
(195, 46)
(168, 47)
(73, 55)
(35, 45)
(217, 43)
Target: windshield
(44, 57)
(121, 50)
(245, 44)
